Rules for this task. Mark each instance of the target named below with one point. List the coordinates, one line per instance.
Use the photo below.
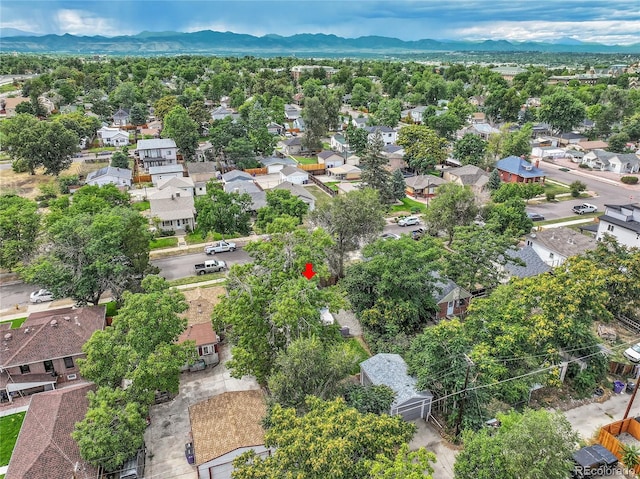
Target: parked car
(409, 221)
(585, 208)
(417, 234)
(386, 236)
(535, 216)
(633, 353)
(41, 296)
(219, 247)
(211, 266)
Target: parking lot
(170, 427)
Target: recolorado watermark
(580, 471)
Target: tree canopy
(423, 147)
(453, 206)
(19, 227)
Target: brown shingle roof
(227, 422)
(50, 335)
(45, 447)
(202, 334)
(201, 302)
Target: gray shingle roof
(290, 170)
(391, 370)
(122, 173)
(155, 143)
(274, 160)
(236, 175)
(158, 170)
(533, 264)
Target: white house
(163, 172)
(330, 159)
(388, 134)
(294, 175)
(415, 114)
(274, 164)
(622, 222)
(183, 183)
(113, 136)
(110, 176)
(548, 152)
(174, 209)
(620, 163)
(157, 152)
(555, 245)
(339, 143)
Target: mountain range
(211, 42)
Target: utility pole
(464, 394)
(633, 396)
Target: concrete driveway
(428, 437)
(170, 427)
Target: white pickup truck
(219, 247)
(210, 266)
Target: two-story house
(112, 136)
(555, 245)
(389, 135)
(622, 222)
(157, 152)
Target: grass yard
(588, 218)
(195, 237)
(196, 279)
(306, 160)
(407, 205)
(163, 243)
(353, 345)
(321, 196)
(555, 188)
(10, 427)
(141, 206)
(16, 323)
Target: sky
(608, 22)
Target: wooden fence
(322, 186)
(142, 179)
(629, 323)
(315, 168)
(256, 171)
(608, 436)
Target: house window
(68, 362)
(48, 366)
(25, 369)
(205, 350)
(609, 227)
(550, 255)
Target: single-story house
(258, 196)
(292, 112)
(235, 175)
(157, 152)
(575, 155)
(330, 159)
(275, 129)
(206, 341)
(395, 157)
(299, 192)
(346, 172)
(44, 447)
(570, 138)
(294, 175)
(533, 264)
(514, 169)
(44, 351)
(451, 299)
(468, 175)
(273, 164)
(121, 117)
(391, 370)
(174, 212)
(416, 115)
(592, 145)
(109, 175)
(622, 222)
(201, 172)
(423, 185)
(165, 171)
(620, 163)
(225, 426)
(359, 122)
(221, 113)
(292, 146)
(548, 152)
(204, 151)
(389, 135)
(483, 130)
(555, 245)
(344, 188)
(112, 136)
(184, 184)
(8, 105)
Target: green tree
(561, 110)
(423, 147)
(309, 368)
(369, 399)
(454, 205)
(84, 126)
(445, 125)
(224, 213)
(494, 180)
(125, 95)
(280, 202)
(120, 160)
(138, 114)
(618, 142)
(405, 465)
(358, 139)
(19, 227)
(528, 445)
(113, 427)
(183, 130)
(387, 113)
(576, 188)
(164, 105)
(509, 217)
(374, 173)
(315, 119)
(509, 191)
(331, 440)
(350, 220)
(398, 185)
(470, 150)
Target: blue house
(514, 169)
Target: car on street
(219, 247)
(535, 216)
(633, 353)
(41, 296)
(409, 221)
(386, 236)
(584, 208)
(418, 233)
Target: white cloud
(600, 31)
(81, 22)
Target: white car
(633, 353)
(41, 296)
(409, 221)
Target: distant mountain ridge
(212, 42)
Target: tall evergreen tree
(398, 185)
(374, 173)
(494, 180)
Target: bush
(576, 188)
(415, 210)
(551, 196)
(629, 180)
(19, 166)
(65, 182)
(583, 165)
(164, 233)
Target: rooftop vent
(54, 323)
(67, 318)
(8, 336)
(26, 330)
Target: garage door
(416, 410)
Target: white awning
(13, 387)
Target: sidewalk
(184, 248)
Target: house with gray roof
(555, 245)
(110, 175)
(391, 370)
(529, 264)
(157, 152)
(389, 135)
(274, 164)
(174, 209)
(416, 115)
(292, 146)
(235, 175)
(258, 196)
(163, 172)
(468, 175)
(620, 163)
(359, 122)
(330, 159)
(622, 222)
(423, 186)
(201, 172)
(451, 299)
(299, 192)
(483, 130)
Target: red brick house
(514, 169)
(44, 351)
(45, 447)
(206, 341)
(451, 299)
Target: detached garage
(391, 370)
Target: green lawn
(354, 346)
(10, 87)
(304, 160)
(407, 205)
(587, 218)
(10, 427)
(196, 279)
(195, 237)
(112, 308)
(16, 323)
(163, 242)
(555, 188)
(141, 206)
(321, 196)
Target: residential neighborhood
(401, 267)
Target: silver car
(41, 296)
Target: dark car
(417, 234)
(535, 216)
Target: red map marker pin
(308, 271)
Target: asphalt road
(174, 267)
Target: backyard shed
(391, 370)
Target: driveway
(428, 437)
(170, 427)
